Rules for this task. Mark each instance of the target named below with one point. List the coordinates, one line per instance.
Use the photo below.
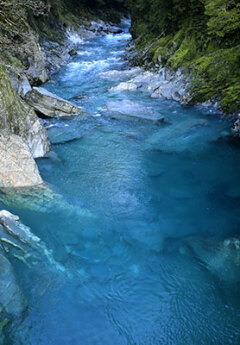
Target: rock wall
(16, 117)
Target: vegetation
(200, 36)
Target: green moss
(12, 60)
(184, 54)
(13, 111)
(200, 37)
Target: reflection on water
(159, 261)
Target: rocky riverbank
(24, 66)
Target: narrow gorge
(119, 172)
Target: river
(155, 260)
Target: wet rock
(236, 128)
(16, 229)
(115, 74)
(133, 109)
(57, 53)
(175, 89)
(17, 166)
(146, 80)
(50, 104)
(41, 199)
(16, 117)
(124, 87)
(72, 52)
(11, 297)
(20, 243)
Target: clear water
(150, 188)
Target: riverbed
(155, 260)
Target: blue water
(142, 268)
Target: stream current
(150, 262)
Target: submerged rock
(133, 109)
(190, 135)
(41, 199)
(222, 258)
(16, 117)
(50, 104)
(20, 243)
(11, 297)
(17, 166)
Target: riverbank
(198, 43)
(143, 213)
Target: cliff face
(16, 117)
(199, 38)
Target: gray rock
(174, 89)
(20, 83)
(49, 104)
(19, 241)
(125, 74)
(133, 109)
(16, 117)
(14, 228)
(236, 128)
(17, 166)
(124, 87)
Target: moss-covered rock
(199, 37)
(16, 117)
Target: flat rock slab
(50, 104)
(133, 109)
(17, 166)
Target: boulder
(50, 104)
(133, 109)
(16, 117)
(17, 166)
(72, 52)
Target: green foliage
(224, 17)
(200, 36)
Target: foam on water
(74, 37)
(147, 268)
